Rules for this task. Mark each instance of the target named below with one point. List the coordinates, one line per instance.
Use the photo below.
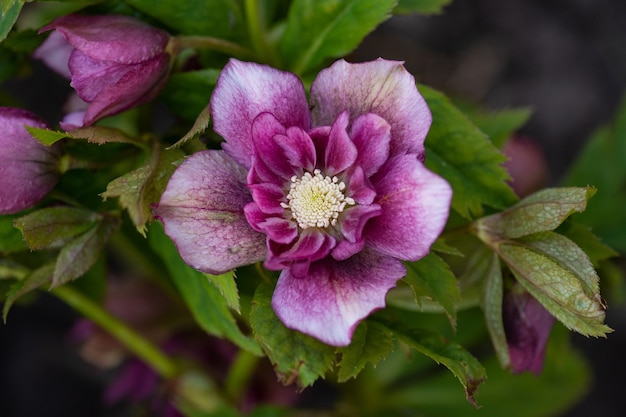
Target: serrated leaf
(371, 343)
(34, 280)
(539, 212)
(199, 126)
(138, 190)
(10, 12)
(52, 227)
(10, 237)
(458, 151)
(296, 357)
(208, 306)
(453, 356)
(321, 29)
(227, 286)
(564, 294)
(81, 253)
(187, 94)
(431, 277)
(103, 134)
(420, 6)
(222, 18)
(46, 136)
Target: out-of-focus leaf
(420, 6)
(500, 125)
(491, 303)
(10, 12)
(320, 29)
(199, 126)
(587, 241)
(52, 227)
(458, 151)
(539, 212)
(36, 279)
(187, 94)
(371, 343)
(141, 188)
(296, 357)
(218, 18)
(227, 286)
(208, 306)
(10, 237)
(432, 278)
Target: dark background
(565, 59)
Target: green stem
(213, 44)
(256, 31)
(139, 346)
(239, 374)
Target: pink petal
(114, 38)
(266, 150)
(415, 205)
(268, 197)
(352, 223)
(299, 148)
(312, 245)
(371, 135)
(55, 52)
(381, 87)
(202, 212)
(340, 151)
(330, 301)
(244, 90)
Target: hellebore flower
(114, 62)
(28, 169)
(527, 325)
(335, 198)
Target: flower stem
(256, 31)
(213, 44)
(139, 346)
(239, 374)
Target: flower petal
(381, 87)
(113, 38)
(299, 148)
(243, 91)
(415, 205)
(340, 151)
(352, 224)
(55, 52)
(329, 302)
(266, 150)
(202, 212)
(371, 135)
(311, 246)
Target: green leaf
(431, 277)
(542, 211)
(566, 294)
(34, 280)
(81, 253)
(227, 286)
(602, 163)
(219, 18)
(458, 151)
(371, 343)
(500, 125)
(199, 126)
(187, 94)
(138, 190)
(420, 6)
(296, 356)
(53, 227)
(587, 241)
(10, 237)
(46, 136)
(10, 12)
(453, 356)
(321, 29)
(208, 306)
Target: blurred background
(564, 59)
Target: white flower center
(315, 200)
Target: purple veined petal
(202, 212)
(371, 135)
(311, 246)
(137, 86)
(113, 38)
(279, 230)
(267, 151)
(415, 204)
(359, 187)
(268, 197)
(340, 152)
(55, 52)
(334, 297)
(243, 91)
(352, 223)
(299, 148)
(90, 76)
(382, 87)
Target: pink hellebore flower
(335, 198)
(28, 169)
(527, 325)
(114, 62)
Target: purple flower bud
(527, 165)
(527, 325)
(28, 169)
(114, 62)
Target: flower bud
(114, 62)
(28, 169)
(527, 165)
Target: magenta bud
(114, 62)
(527, 325)
(28, 169)
(527, 165)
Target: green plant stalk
(135, 343)
(258, 36)
(239, 374)
(213, 44)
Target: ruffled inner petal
(333, 297)
(268, 197)
(360, 188)
(311, 246)
(352, 224)
(340, 152)
(298, 148)
(371, 135)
